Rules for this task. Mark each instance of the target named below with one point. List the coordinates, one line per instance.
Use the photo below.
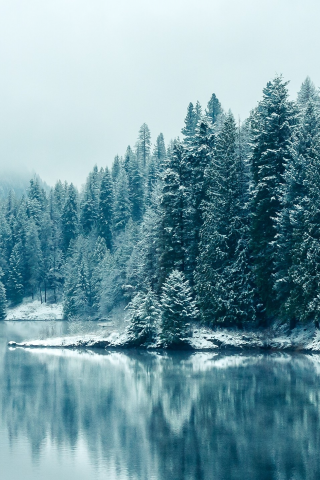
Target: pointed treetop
(307, 93)
(214, 108)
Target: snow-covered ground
(35, 310)
(303, 338)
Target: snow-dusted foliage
(178, 309)
(222, 225)
(144, 318)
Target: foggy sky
(78, 78)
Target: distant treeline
(226, 220)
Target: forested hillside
(222, 225)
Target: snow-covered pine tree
(33, 258)
(114, 285)
(308, 93)
(178, 309)
(223, 278)
(291, 222)
(89, 208)
(144, 318)
(172, 205)
(272, 132)
(190, 123)
(214, 109)
(122, 205)
(115, 170)
(15, 279)
(305, 273)
(143, 266)
(136, 189)
(144, 145)
(3, 302)
(196, 159)
(96, 272)
(106, 205)
(58, 200)
(159, 152)
(70, 217)
(198, 113)
(5, 244)
(36, 200)
(298, 279)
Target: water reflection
(179, 416)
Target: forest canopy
(221, 225)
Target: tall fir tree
(122, 206)
(106, 209)
(89, 211)
(196, 160)
(144, 145)
(3, 302)
(172, 211)
(144, 318)
(214, 109)
(116, 166)
(296, 237)
(15, 279)
(223, 278)
(190, 123)
(178, 309)
(159, 152)
(70, 217)
(272, 133)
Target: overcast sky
(79, 77)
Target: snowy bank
(304, 338)
(35, 310)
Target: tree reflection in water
(169, 416)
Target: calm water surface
(133, 415)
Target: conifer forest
(220, 225)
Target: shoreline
(303, 338)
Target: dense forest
(222, 225)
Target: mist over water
(137, 415)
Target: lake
(164, 416)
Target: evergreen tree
(15, 279)
(308, 94)
(223, 279)
(37, 200)
(272, 130)
(70, 217)
(153, 175)
(198, 113)
(297, 238)
(144, 145)
(90, 202)
(122, 207)
(3, 302)
(172, 210)
(178, 309)
(190, 123)
(214, 109)
(136, 188)
(33, 258)
(159, 152)
(116, 166)
(144, 316)
(58, 200)
(106, 205)
(143, 269)
(196, 160)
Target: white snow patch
(35, 310)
